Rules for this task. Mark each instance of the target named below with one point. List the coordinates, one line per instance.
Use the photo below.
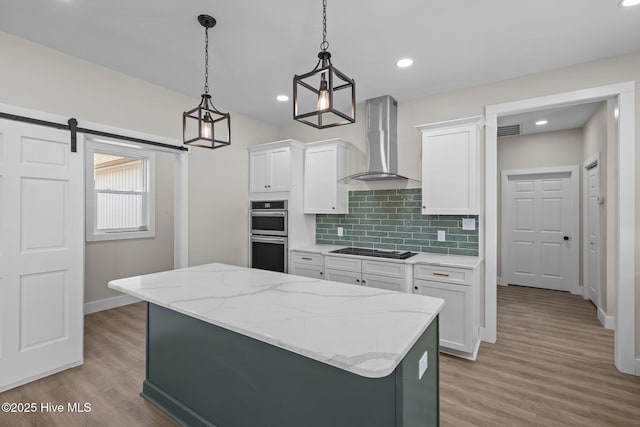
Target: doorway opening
(622, 222)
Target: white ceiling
(559, 118)
(258, 46)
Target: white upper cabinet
(325, 163)
(451, 167)
(269, 169)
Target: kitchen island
(232, 346)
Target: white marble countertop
(444, 260)
(362, 330)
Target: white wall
(219, 190)
(36, 77)
(547, 149)
(472, 101)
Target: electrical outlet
(441, 236)
(468, 223)
(340, 231)
(423, 364)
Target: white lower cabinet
(459, 318)
(306, 264)
(391, 276)
(384, 282)
(455, 324)
(344, 276)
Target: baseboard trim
(482, 333)
(501, 282)
(638, 367)
(109, 303)
(175, 409)
(41, 375)
(609, 322)
(461, 354)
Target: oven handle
(268, 213)
(282, 240)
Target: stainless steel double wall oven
(268, 235)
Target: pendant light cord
(206, 59)
(325, 44)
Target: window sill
(101, 236)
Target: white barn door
(41, 252)
(541, 223)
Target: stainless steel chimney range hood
(381, 143)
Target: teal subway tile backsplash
(391, 219)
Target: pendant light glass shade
(206, 126)
(324, 97)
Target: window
(120, 191)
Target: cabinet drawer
(343, 263)
(307, 258)
(392, 269)
(458, 276)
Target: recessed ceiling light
(628, 3)
(282, 98)
(541, 122)
(407, 62)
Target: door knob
(565, 238)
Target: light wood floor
(552, 366)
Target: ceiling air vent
(510, 130)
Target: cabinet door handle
(269, 186)
(306, 258)
(364, 281)
(265, 186)
(415, 287)
(440, 274)
(424, 206)
(333, 207)
(321, 273)
(357, 280)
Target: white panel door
(41, 252)
(542, 239)
(593, 235)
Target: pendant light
(205, 126)
(324, 97)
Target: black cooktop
(375, 253)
